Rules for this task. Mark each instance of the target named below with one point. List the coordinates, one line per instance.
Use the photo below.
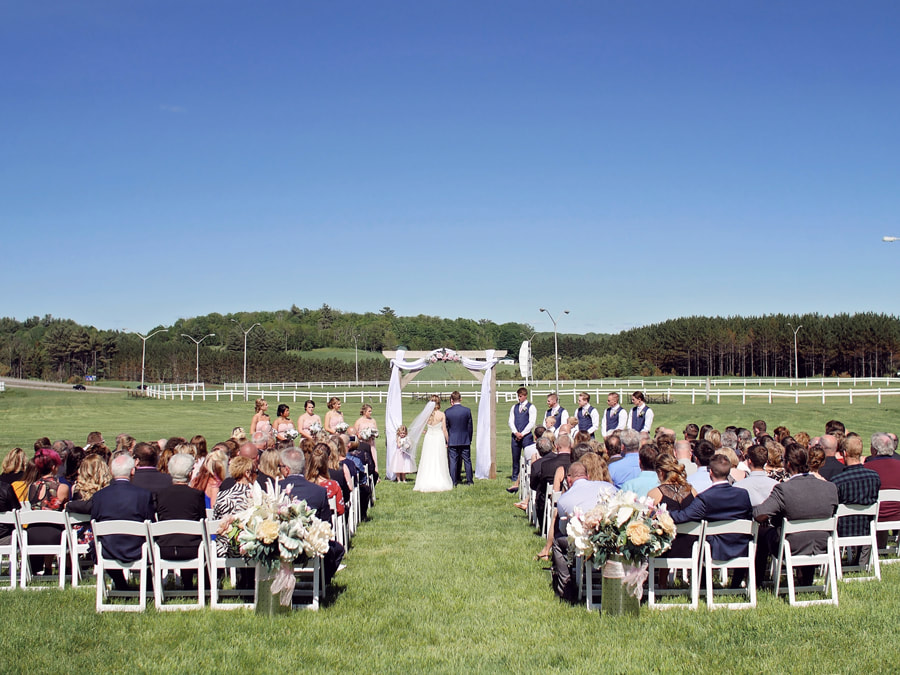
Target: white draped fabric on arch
(481, 445)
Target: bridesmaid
(260, 420)
(366, 422)
(307, 419)
(334, 416)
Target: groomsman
(641, 417)
(615, 418)
(522, 418)
(555, 410)
(587, 415)
(459, 432)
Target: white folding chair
(740, 527)
(310, 584)
(549, 506)
(225, 563)
(788, 560)
(691, 564)
(77, 552)
(140, 566)
(59, 549)
(10, 551)
(891, 552)
(591, 588)
(872, 567)
(198, 562)
(338, 523)
(354, 508)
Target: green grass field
(435, 583)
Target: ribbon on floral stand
(285, 582)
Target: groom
(459, 432)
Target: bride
(434, 472)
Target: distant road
(15, 383)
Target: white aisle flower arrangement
(274, 531)
(626, 526)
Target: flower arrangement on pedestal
(623, 526)
(274, 531)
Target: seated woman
(13, 472)
(46, 493)
(234, 499)
(675, 492)
(269, 469)
(211, 475)
(317, 472)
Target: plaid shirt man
(856, 485)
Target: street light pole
(246, 333)
(197, 342)
(144, 350)
(356, 355)
(796, 330)
(555, 345)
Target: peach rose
(638, 533)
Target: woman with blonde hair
(13, 472)
(211, 475)
(269, 468)
(714, 436)
(775, 462)
(260, 421)
(367, 430)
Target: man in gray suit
(801, 497)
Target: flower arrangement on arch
(274, 531)
(622, 524)
(444, 355)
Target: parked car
(79, 387)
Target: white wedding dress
(434, 471)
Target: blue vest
(558, 415)
(637, 423)
(584, 420)
(612, 421)
(520, 419)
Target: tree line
(56, 349)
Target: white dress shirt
(560, 419)
(648, 417)
(595, 418)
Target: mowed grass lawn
(437, 583)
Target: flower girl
(403, 462)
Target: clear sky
(629, 161)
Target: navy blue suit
(316, 498)
(721, 501)
(459, 443)
(120, 500)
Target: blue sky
(628, 161)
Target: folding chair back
(77, 551)
(58, 549)
(869, 539)
(691, 564)
(198, 562)
(229, 564)
(10, 551)
(736, 527)
(139, 566)
(789, 560)
(891, 552)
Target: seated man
(120, 500)
(647, 479)
(721, 501)
(180, 502)
(316, 498)
(582, 494)
(801, 497)
(856, 484)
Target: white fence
(507, 392)
(2, 386)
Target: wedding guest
(758, 483)
(199, 443)
(317, 472)
(46, 493)
(234, 499)
(629, 466)
(93, 476)
(13, 472)
(125, 443)
(832, 466)
(210, 476)
(8, 502)
(146, 475)
(269, 469)
(676, 494)
(334, 416)
(647, 479)
(181, 502)
(543, 473)
(856, 484)
(700, 480)
(775, 463)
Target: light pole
(356, 355)
(144, 350)
(246, 332)
(796, 330)
(555, 346)
(197, 342)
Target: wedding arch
(484, 445)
